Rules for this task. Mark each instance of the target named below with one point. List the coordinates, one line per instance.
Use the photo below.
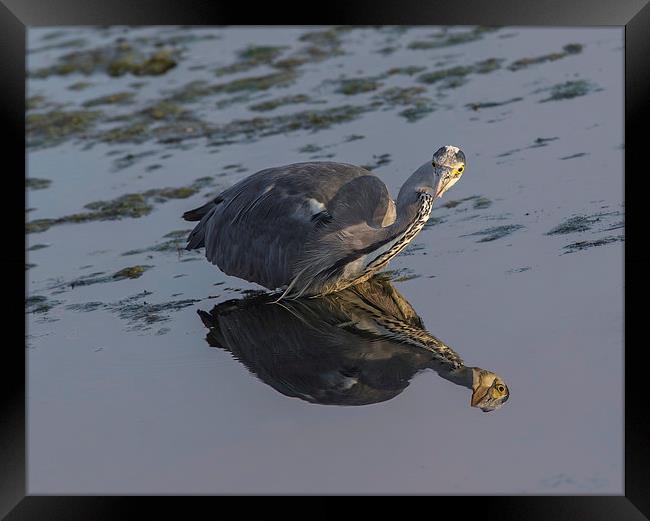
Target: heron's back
(257, 229)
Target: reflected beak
(478, 394)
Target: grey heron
(359, 346)
(317, 227)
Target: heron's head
(448, 165)
(489, 392)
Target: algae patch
(35, 183)
(50, 128)
(110, 99)
(39, 304)
(132, 272)
(481, 203)
(128, 205)
(378, 160)
(447, 39)
(115, 60)
(353, 86)
(265, 106)
(313, 120)
(174, 244)
(583, 223)
(583, 245)
(252, 56)
(567, 50)
(491, 104)
(141, 315)
(569, 90)
(418, 105)
(495, 232)
(453, 77)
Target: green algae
(164, 120)
(255, 83)
(401, 95)
(86, 306)
(578, 223)
(389, 49)
(134, 132)
(141, 315)
(115, 60)
(198, 89)
(267, 126)
(583, 223)
(35, 183)
(110, 99)
(126, 206)
(38, 247)
(567, 50)
(251, 57)
(496, 232)
(39, 304)
(353, 86)
(418, 106)
(130, 159)
(481, 203)
(156, 64)
(178, 234)
(519, 270)
(35, 102)
(50, 128)
(455, 76)
(173, 245)
(265, 106)
(418, 111)
(436, 76)
(446, 39)
(583, 245)
(378, 160)
(320, 45)
(573, 156)
(453, 203)
(487, 66)
(163, 110)
(310, 149)
(410, 70)
(131, 272)
(491, 104)
(542, 141)
(569, 90)
(79, 85)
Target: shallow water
(520, 270)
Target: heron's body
(311, 228)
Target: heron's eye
(460, 169)
(501, 388)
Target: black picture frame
(634, 15)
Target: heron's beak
(480, 385)
(441, 186)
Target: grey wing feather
(360, 212)
(258, 228)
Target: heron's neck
(409, 198)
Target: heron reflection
(359, 346)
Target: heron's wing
(258, 228)
(359, 222)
